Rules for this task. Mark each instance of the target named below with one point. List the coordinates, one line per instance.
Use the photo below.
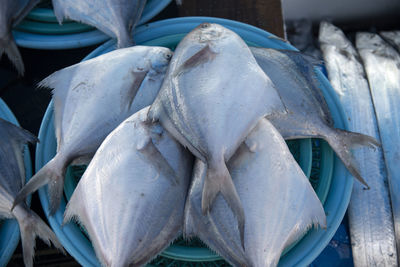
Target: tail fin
(9, 46)
(343, 142)
(218, 179)
(31, 226)
(52, 174)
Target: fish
(11, 14)
(131, 198)
(308, 113)
(210, 100)
(91, 99)
(370, 215)
(382, 66)
(279, 202)
(392, 37)
(12, 178)
(116, 18)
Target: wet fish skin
(370, 215)
(382, 65)
(12, 178)
(131, 197)
(308, 114)
(279, 202)
(91, 98)
(199, 114)
(116, 18)
(393, 38)
(12, 12)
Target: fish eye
(168, 56)
(205, 25)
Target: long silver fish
(210, 100)
(116, 18)
(370, 214)
(12, 178)
(91, 99)
(295, 79)
(382, 65)
(11, 13)
(131, 198)
(279, 202)
(393, 38)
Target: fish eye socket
(204, 25)
(168, 56)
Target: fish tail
(125, 40)
(10, 48)
(344, 142)
(32, 226)
(218, 179)
(52, 174)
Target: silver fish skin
(12, 12)
(382, 65)
(278, 200)
(131, 198)
(116, 18)
(91, 99)
(370, 214)
(393, 38)
(308, 117)
(214, 114)
(12, 178)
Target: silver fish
(393, 38)
(12, 178)
(279, 203)
(131, 198)
(12, 12)
(210, 100)
(91, 99)
(295, 79)
(116, 18)
(382, 65)
(370, 215)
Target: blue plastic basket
(9, 229)
(332, 182)
(40, 29)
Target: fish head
(330, 34)
(160, 58)
(374, 43)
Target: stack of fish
(133, 112)
(367, 81)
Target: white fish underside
(382, 65)
(278, 200)
(370, 215)
(127, 199)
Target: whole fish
(91, 99)
(370, 215)
(393, 38)
(308, 114)
(279, 203)
(12, 12)
(116, 18)
(131, 198)
(210, 100)
(382, 65)
(12, 178)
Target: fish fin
(29, 6)
(52, 174)
(218, 179)
(345, 141)
(32, 226)
(12, 52)
(21, 135)
(58, 11)
(137, 82)
(204, 55)
(153, 155)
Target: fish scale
(370, 216)
(382, 65)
